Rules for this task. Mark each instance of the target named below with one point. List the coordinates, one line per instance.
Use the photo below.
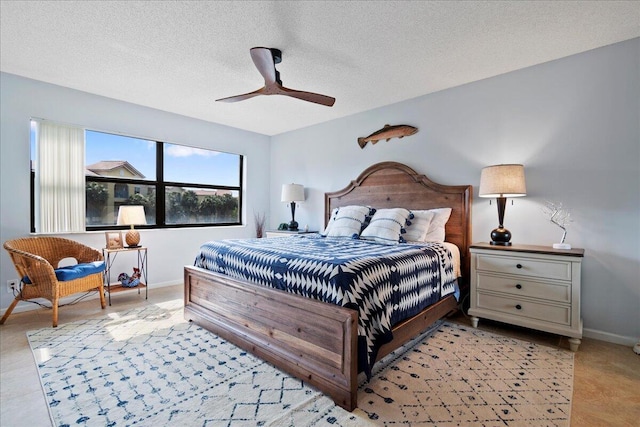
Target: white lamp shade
(131, 215)
(502, 181)
(292, 193)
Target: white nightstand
(536, 287)
(285, 233)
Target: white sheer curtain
(60, 180)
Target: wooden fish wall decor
(388, 132)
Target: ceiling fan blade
(263, 59)
(242, 97)
(308, 96)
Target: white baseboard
(24, 306)
(609, 337)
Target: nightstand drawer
(525, 266)
(533, 310)
(509, 285)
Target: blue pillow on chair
(71, 272)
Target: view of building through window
(177, 185)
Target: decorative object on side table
(130, 281)
(259, 219)
(132, 215)
(113, 239)
(502, 181)
(292, 193)
(560, 216)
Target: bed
(310, 339)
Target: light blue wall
(169, 249)
(573, 123)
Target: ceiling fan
(265, 60)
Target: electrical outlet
(12, 286)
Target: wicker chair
(36, 258)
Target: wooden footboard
(309, 339)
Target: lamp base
(293, 226)
(132, 238)
(501, 237)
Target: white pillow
(387, 226)
(419, 226)
(331, 218)
(436, 228)
(347, 221)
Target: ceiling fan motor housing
(277, 55)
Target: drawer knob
(519, 286)
(518, 265)
(519, 307)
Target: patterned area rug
(148, 367)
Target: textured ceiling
(180, 56)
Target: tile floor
(606, 378)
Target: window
(177, 185)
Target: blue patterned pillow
(347, 221)
(388, 226)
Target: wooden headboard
(394, 185)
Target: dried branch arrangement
(259, 219)
(560, 216)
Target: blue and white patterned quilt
(385, 283)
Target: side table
(532, 286)
(110, 256)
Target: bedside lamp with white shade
(502, 181)
(132, 215)
(292, 193)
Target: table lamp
(292, 193)
(502, 181)
(132, 215)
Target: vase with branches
(560, 216)
(259, 219)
